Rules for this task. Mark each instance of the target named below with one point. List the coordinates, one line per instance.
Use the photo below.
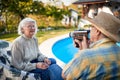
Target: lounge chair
(7, 72)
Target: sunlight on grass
(50, 34)
(41, 35)
(8, 37)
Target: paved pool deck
(46, 48)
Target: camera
(78, 34)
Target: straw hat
(108, 24)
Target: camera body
(78, 34)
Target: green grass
(8, 37)
(41, 35)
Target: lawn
(41, 35)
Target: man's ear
(97, 32)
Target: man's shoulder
(87, 51)
(100, 51)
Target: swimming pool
(64, 49)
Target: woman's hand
(42, 65)
(84, 44)
(46, 60)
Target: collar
(26, 37)
(102, 42)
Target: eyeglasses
(30, 27)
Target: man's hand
(84, 44)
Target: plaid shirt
(100, 62)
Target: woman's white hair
(23, 23)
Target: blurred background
(54, 17)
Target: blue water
(64, 49)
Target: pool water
(64, 49)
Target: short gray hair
(23, 22)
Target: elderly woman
(26, 55)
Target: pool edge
(47, 50)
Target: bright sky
(68, 2)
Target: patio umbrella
(3, 44)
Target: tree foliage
(55, 12)
(24, 7)
(21, 7)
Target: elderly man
(101, 61)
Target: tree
(22, 7)
(55, 12)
